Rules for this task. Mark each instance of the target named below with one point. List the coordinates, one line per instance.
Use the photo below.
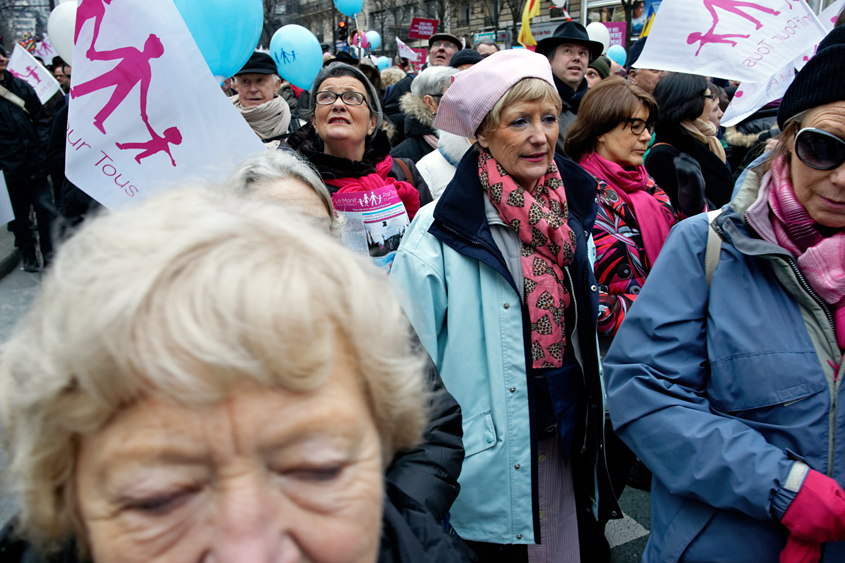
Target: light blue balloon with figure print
(226, 31)
(374, 39)
(618, 54)
(349, 7)
(383, 63)
(298, 55)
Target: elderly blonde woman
(420, 108)
(496, 282)
(203, 386)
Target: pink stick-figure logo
(15, 74)
(133, 68)
(90, 9)
(32, 73)
(735, 7)
(158, 143)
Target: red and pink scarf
(407, 193)
(631, 185)
(548, 245)
(821, 259)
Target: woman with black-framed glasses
(726, 377)
(345, 142)
(609, 138)
(686, 101)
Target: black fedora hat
(259, 63)
(570, 32)
(343, 57)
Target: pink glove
(800, 551)
(817, 513)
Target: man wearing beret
(569, 51)
(258, 100)
(24, 129)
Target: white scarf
(270, 119)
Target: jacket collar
(570, 98)
(461, 207)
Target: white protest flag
(405, 51)
(146, 114)
(24, 66)
(827, 19)
(735, 39)
(6, 212)
(751, 96)
(45, 50)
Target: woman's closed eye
(158, 504)
(314, 474)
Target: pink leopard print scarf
(548, 244)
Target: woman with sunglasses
(345, 141)
(608, 139)
(725, 377)
(685, 102)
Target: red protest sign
(422, 28)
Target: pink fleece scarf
(631, 186)
(548, 245)
(407, 193)
(821, 259)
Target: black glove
(690, 185)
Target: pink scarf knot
(630, 184)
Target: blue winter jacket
(719, 390)
(455, 286)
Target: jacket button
(614, 514)
(516, 466)
(519, 536)
(512, 389)
(593, 288)
(507, 306)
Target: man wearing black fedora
(569, 50)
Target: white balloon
(60, 28)
(598, 32)
(559, 3)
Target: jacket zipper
(831, 447)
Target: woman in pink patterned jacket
(609, 138)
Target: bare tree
(492, 13)
(515, 7)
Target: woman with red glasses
(725, 378)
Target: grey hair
(267, 167)
(486, 41)
(432, 81)
(191, 295)
(338, 70)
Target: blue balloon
(226, 31)
(374, 39)
(618, 54)
(298, 55)
(383, 63)
(349, 7)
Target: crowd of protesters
(600, 287)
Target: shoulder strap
(714, 246)
(13, 98)
(408, 177)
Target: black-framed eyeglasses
(350, 98)
(437, 96)
(819, 149)
(710, 96)
(638, 126)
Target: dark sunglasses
(819, 149)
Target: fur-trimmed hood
(453, 147)
(415, 108)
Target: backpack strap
(408, 177)
(714, 246)
(4, 93)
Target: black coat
(306, 142)
(419, 122)
(23, 137)
(392, 111)
(660, 166)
